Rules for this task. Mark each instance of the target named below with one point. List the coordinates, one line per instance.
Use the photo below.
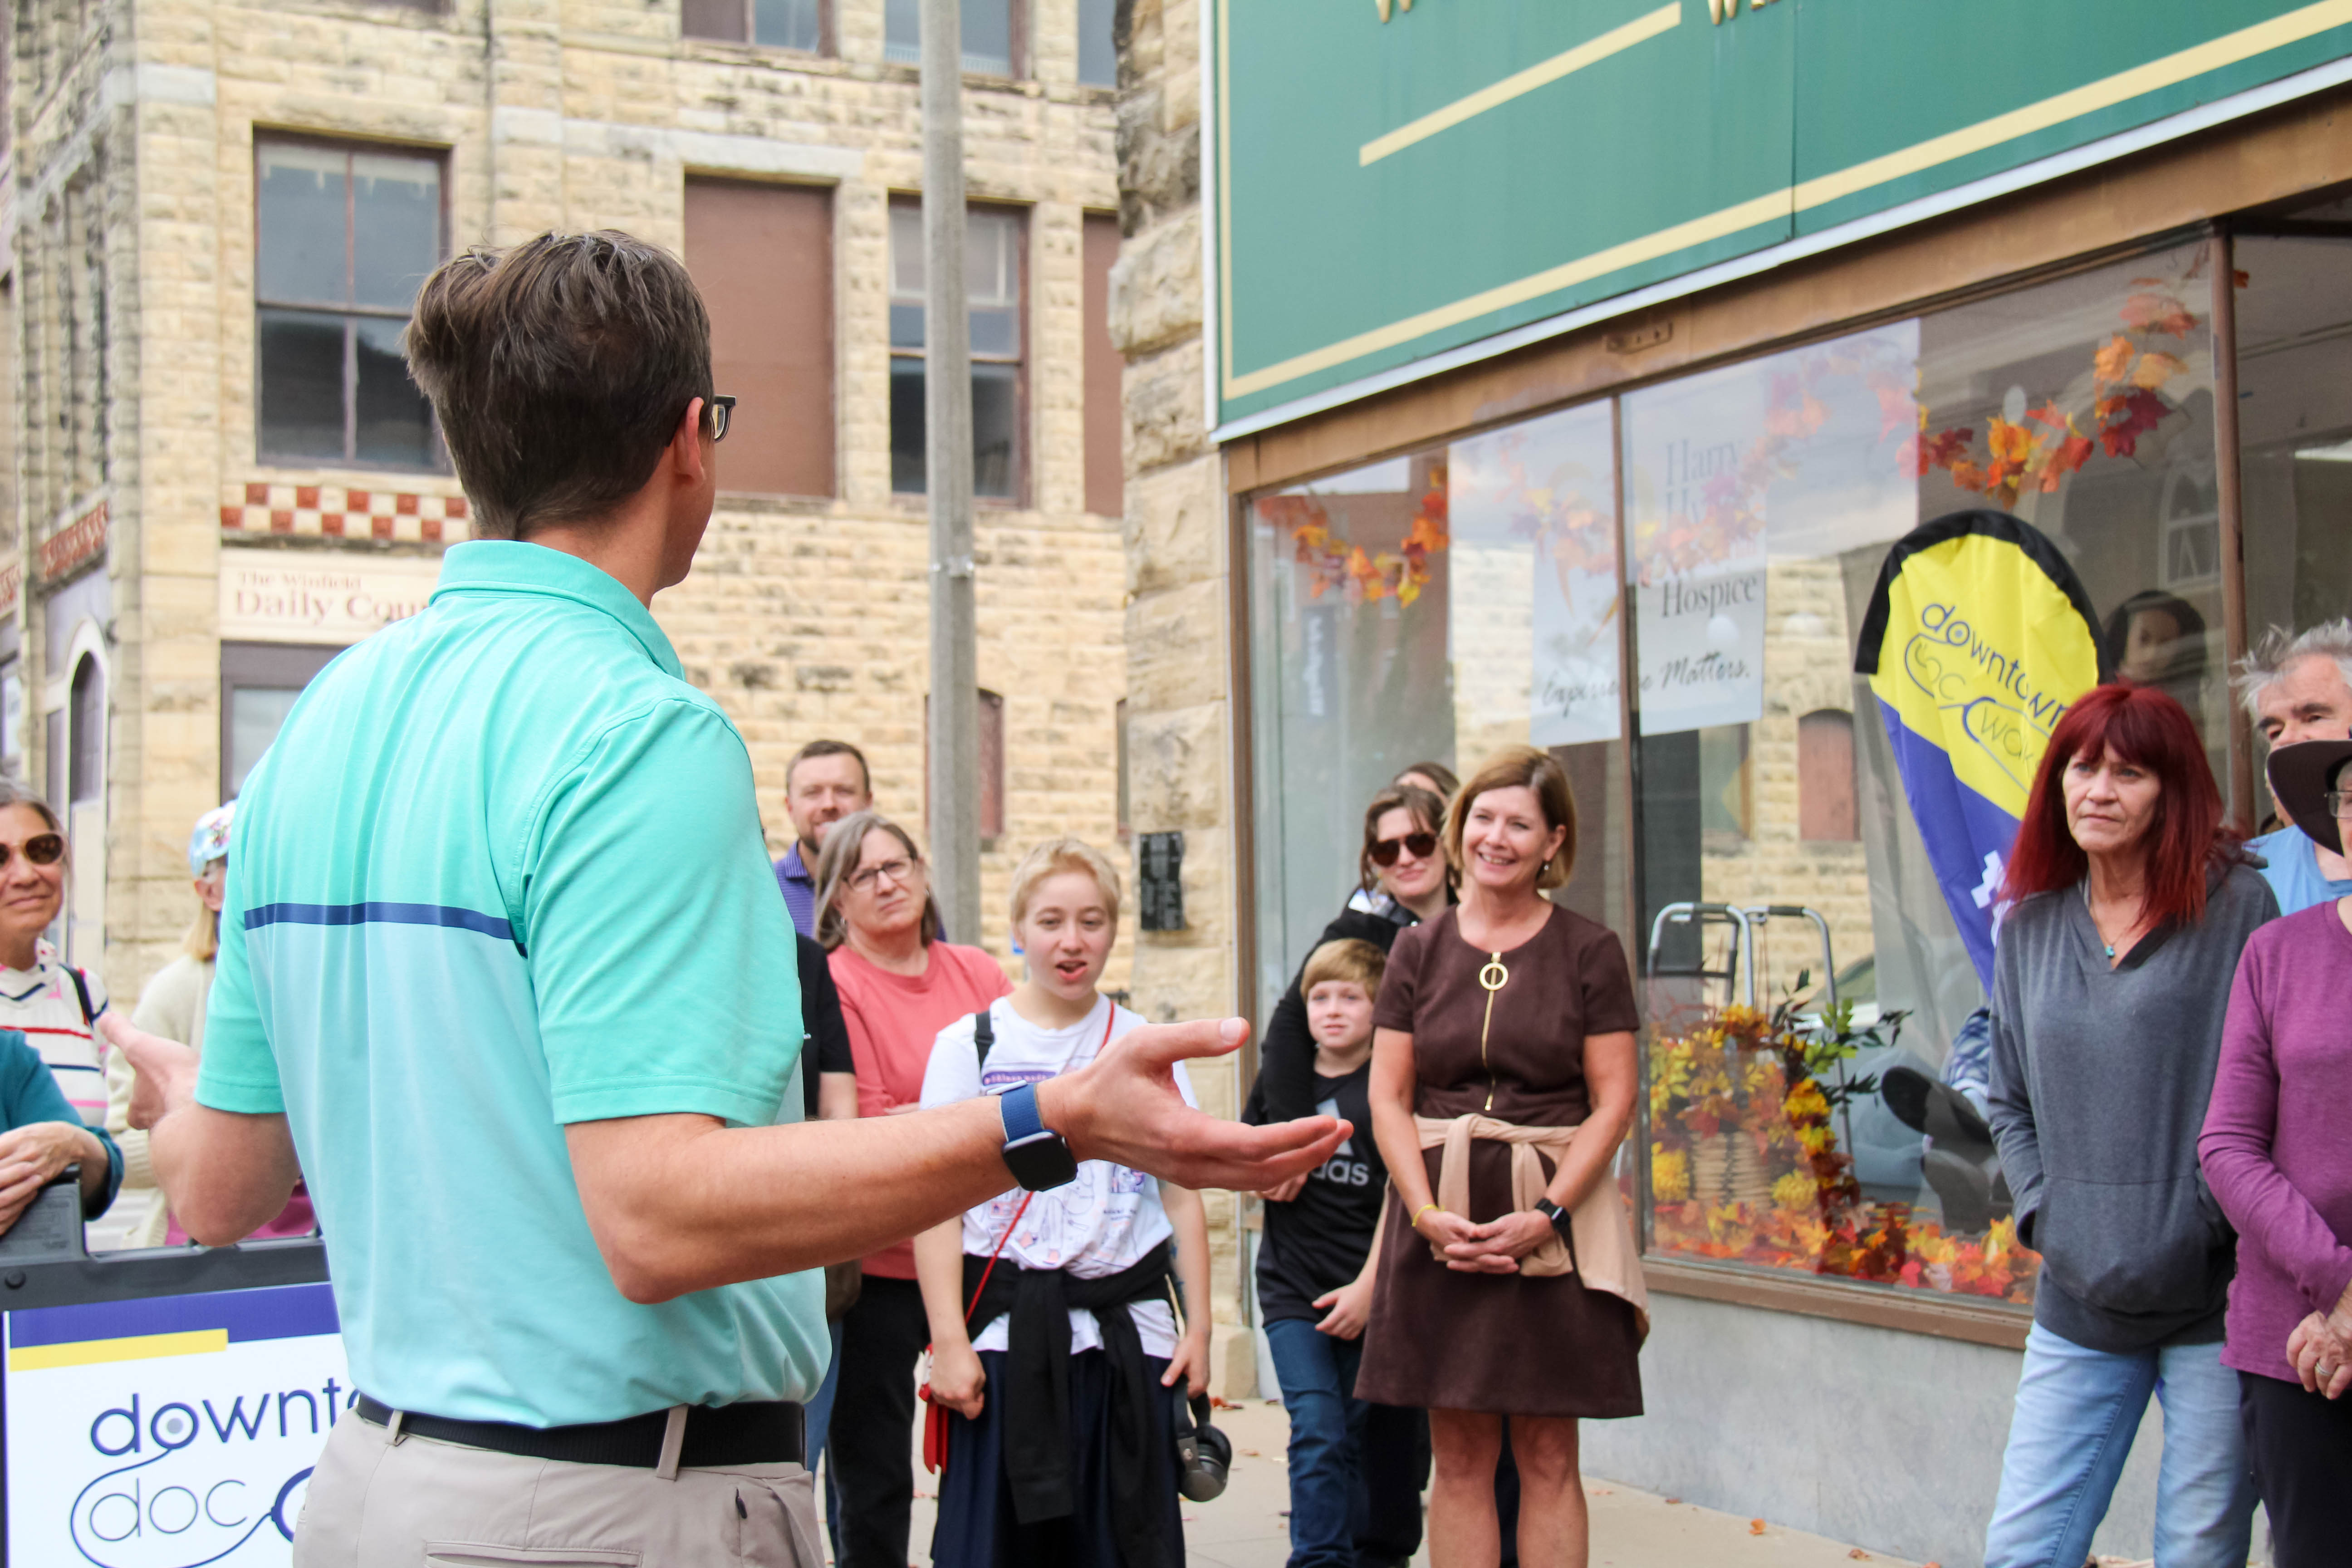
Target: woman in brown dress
(1503, 1081)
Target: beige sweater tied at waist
(1605, 1254)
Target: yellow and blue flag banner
(1978, 638)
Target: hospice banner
(171, 1431)
(1978, 638)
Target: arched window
(86, 779)
(1825, 809)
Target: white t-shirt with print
(1101, 1223)
(41, 1001)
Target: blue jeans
(2077, 1410)
(1317, 1374)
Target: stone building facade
(179, 580)
(134, 280)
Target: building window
(1105, 367)
(1097, 49)
(346, 234)
(990, 35)
(85, 808)
(993, 283)
(780, 24)
(1825, 778)
(762, 255)
(12, 719)
(1466, 597)
(260, 682)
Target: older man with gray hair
(2298, 686)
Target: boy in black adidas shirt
(1313, 1288)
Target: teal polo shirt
(501, 871)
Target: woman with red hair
(2128, 905)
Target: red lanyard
(973, 1305)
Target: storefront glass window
(2294, 427)
(1760, 502)
(1434, 607)
(1450, 601)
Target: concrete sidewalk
(1248, 1527)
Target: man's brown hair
(559, 369)
(817, 748)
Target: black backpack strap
(81, 989)
(984, 1035)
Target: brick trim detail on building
(344, 511)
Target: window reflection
(1815, 1035)
(2295, 425)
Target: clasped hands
(1493, 1247)
(2320, 1348)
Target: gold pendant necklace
(1494, 977)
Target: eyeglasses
(720, 411)
(1421, 846)
(2339, 806)
(899, 871)
(41, 849)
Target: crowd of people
(503, 919)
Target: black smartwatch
(1038, 1156)
(1558, 1216)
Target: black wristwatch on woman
(1557, 1217)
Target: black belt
(765, 1432)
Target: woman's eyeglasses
(1421, 846)
(2340, 805)
(41, 849)
(897, 870)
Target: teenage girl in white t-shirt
(1062, 1424)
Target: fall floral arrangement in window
(1745, 1163)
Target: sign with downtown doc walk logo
(171, 1431)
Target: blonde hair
(1055, 856)
(844, 841)
(203, 940)
(1351, 961)
(1521, 767)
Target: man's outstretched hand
(166, 1070)
(1123, 1107)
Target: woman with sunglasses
(172, 1006)
(1402, 879)
(56, 1005)
(899, 986)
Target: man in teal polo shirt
(503, 962)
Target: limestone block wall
(803, 618)
(1179, 650)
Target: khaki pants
(422, 1504)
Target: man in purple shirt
(824, 782)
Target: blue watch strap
(1019, 1106)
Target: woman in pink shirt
(899, 986)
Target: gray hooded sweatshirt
(2100, 1077)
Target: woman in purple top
(2277, 1152)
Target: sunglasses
(1421, 846)
(720, 411)
(41, 849)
